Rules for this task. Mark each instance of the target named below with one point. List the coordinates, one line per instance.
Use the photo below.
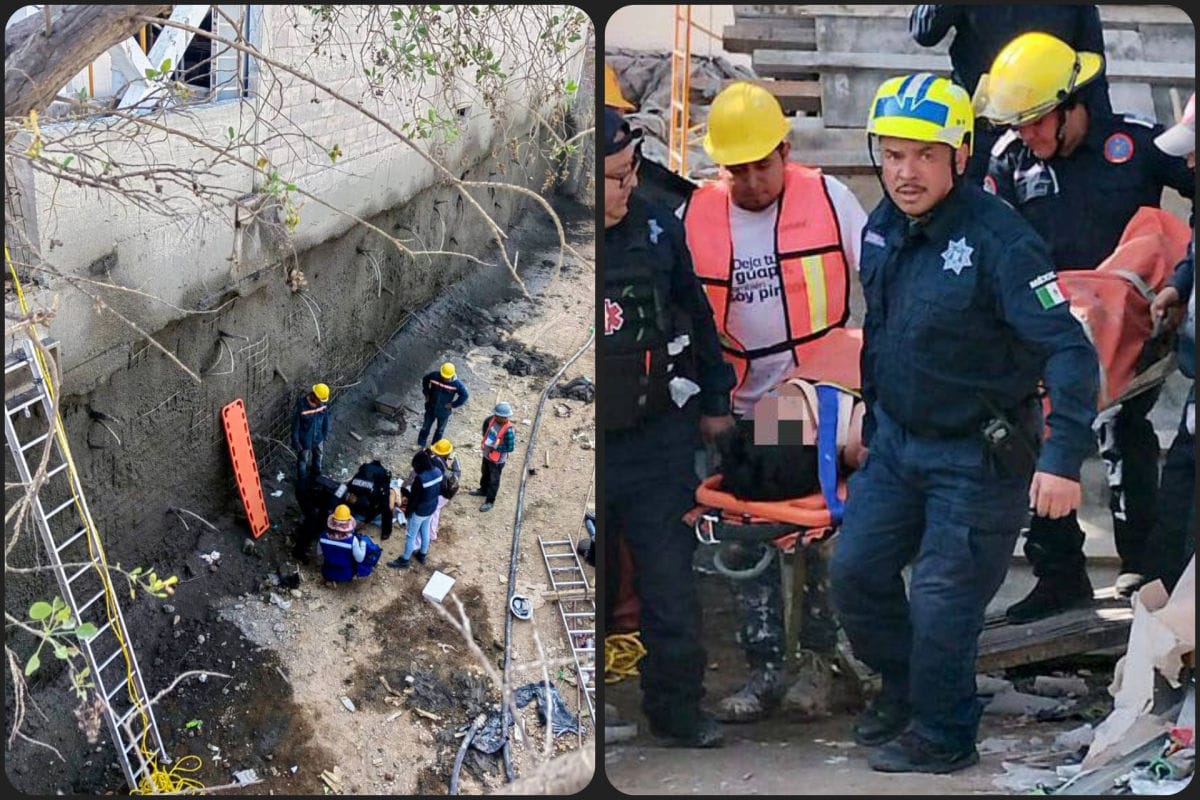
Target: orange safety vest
(494, 454)
(813, 273)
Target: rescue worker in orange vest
(773, 243)
(499, 439)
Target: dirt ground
(295, 654)
(781, 756)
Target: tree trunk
(37, 66)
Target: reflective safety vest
(814, 277)
(493, 437)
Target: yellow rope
(622, 652)
(156, 779)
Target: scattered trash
(210, 558)
(245, 776)
(1074, 739)
(1018, 778)
(1049, 686)
(526, 422)
(279, 477)
(561, 719)
(836, 759)
(491, 735)
(355, 436)
(277, 493)
(562, 410)
(348, 703)
(1155, 786)
(279, 601)
(580, 388)
(248, 546)
(520, 606)
(998, 744)
(289, 577)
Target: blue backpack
(374, 552)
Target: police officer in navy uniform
(1078, 174)
(963, 320)
(664, 385)
(981, 31)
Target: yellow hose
(622, 652)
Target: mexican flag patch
(1046, 288)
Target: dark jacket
(1081, 203)
(1185, 283)
(982, 31)
(370, 487)
(652, 296)
(438, 392)
(425, 491)
(957, 329)
(310, 424)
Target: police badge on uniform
(1118, 148)
(957, 256)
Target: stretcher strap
(827, 451)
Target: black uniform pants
(1130, 451)
(650, 483)
(489, 478)
(1173, 541)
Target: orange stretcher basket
(720, 516)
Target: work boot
(881, 722)
(486, 507)
(477, 493)
(914, 753)
(398, 563)
(810, 695)
(755, 699)
(419, 556)
(703, 732)
(1052, 594)
(616, 728)
(1127, 583)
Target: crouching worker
(963, 319)
(369, 493)
(422, 503)
(346, 554)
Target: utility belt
(1012, 437)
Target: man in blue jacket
(422, 502)
(310, 426)
(443, 392)
(964, 318)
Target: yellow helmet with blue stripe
(922, 107)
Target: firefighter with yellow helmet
(1078, 173)
(957, 336)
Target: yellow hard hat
(745, 123)
(447, 370)
(1031, 76)
(922, 107)
(341, 513)
(321, 391)
(612, 91)
(442, 447)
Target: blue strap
(827, 460)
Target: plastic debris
(1049, 686)
(277, 493)
(562, 720)
(1076, 738)
(1018, 778)
(347, 702)
(245, 776)
(210, 558)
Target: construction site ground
(293, 655)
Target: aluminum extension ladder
(577, 609)
(73, 547)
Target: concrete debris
(1050, 686)
(1014, 702)
(387, 426)
(987, 685)
(348, 703)
(1020, 779)
(1074, 739)
(279, 601)
(999, 744)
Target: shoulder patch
(1118, 148)
(655, 230)
(1138, 119)
(1005, 141)
(872, 237)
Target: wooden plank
(781, 62)
(839, 151)
(792, 95)
(1069, 633)
(745, 37)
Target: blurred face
(757, 184)
(918, 175)
(620, 178)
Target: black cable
(462, 751)
(516, 542)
